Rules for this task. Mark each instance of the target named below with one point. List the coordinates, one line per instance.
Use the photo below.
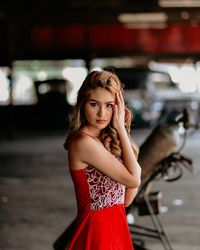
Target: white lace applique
(104, 192)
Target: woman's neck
(91, 131)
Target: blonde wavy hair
(109, 136)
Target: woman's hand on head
(119, 112)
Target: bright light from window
(75, 76)
(42, 75)
(186, 76)
(174, 73)
(188, 79)
(23, 90)
(96, 69)
(198, 79)
(4, 88)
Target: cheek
(89, 112)
(86, 113)
(110, 113)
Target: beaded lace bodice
(104, 192)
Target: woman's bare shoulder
(80, 142)
(82, 151)
(76, 152)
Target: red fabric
(104, 229)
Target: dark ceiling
(83, 11)
(87, 28)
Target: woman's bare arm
(130, 194)
(86, 151)
(128, 156)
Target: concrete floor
(37, 196)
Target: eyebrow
(93, 100)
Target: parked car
(153, 97)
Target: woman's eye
(109, 105)
(93, 104)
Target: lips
(101, 121)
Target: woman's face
(98, 108)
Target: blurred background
(46, 50)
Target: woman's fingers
(120, 103)
(120, 99)
(117, 98)
(116, 110)
(119, 111)
(120, 96)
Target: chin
(101, 126)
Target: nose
(102, 111)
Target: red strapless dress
(101, 222)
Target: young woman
(103, 164)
